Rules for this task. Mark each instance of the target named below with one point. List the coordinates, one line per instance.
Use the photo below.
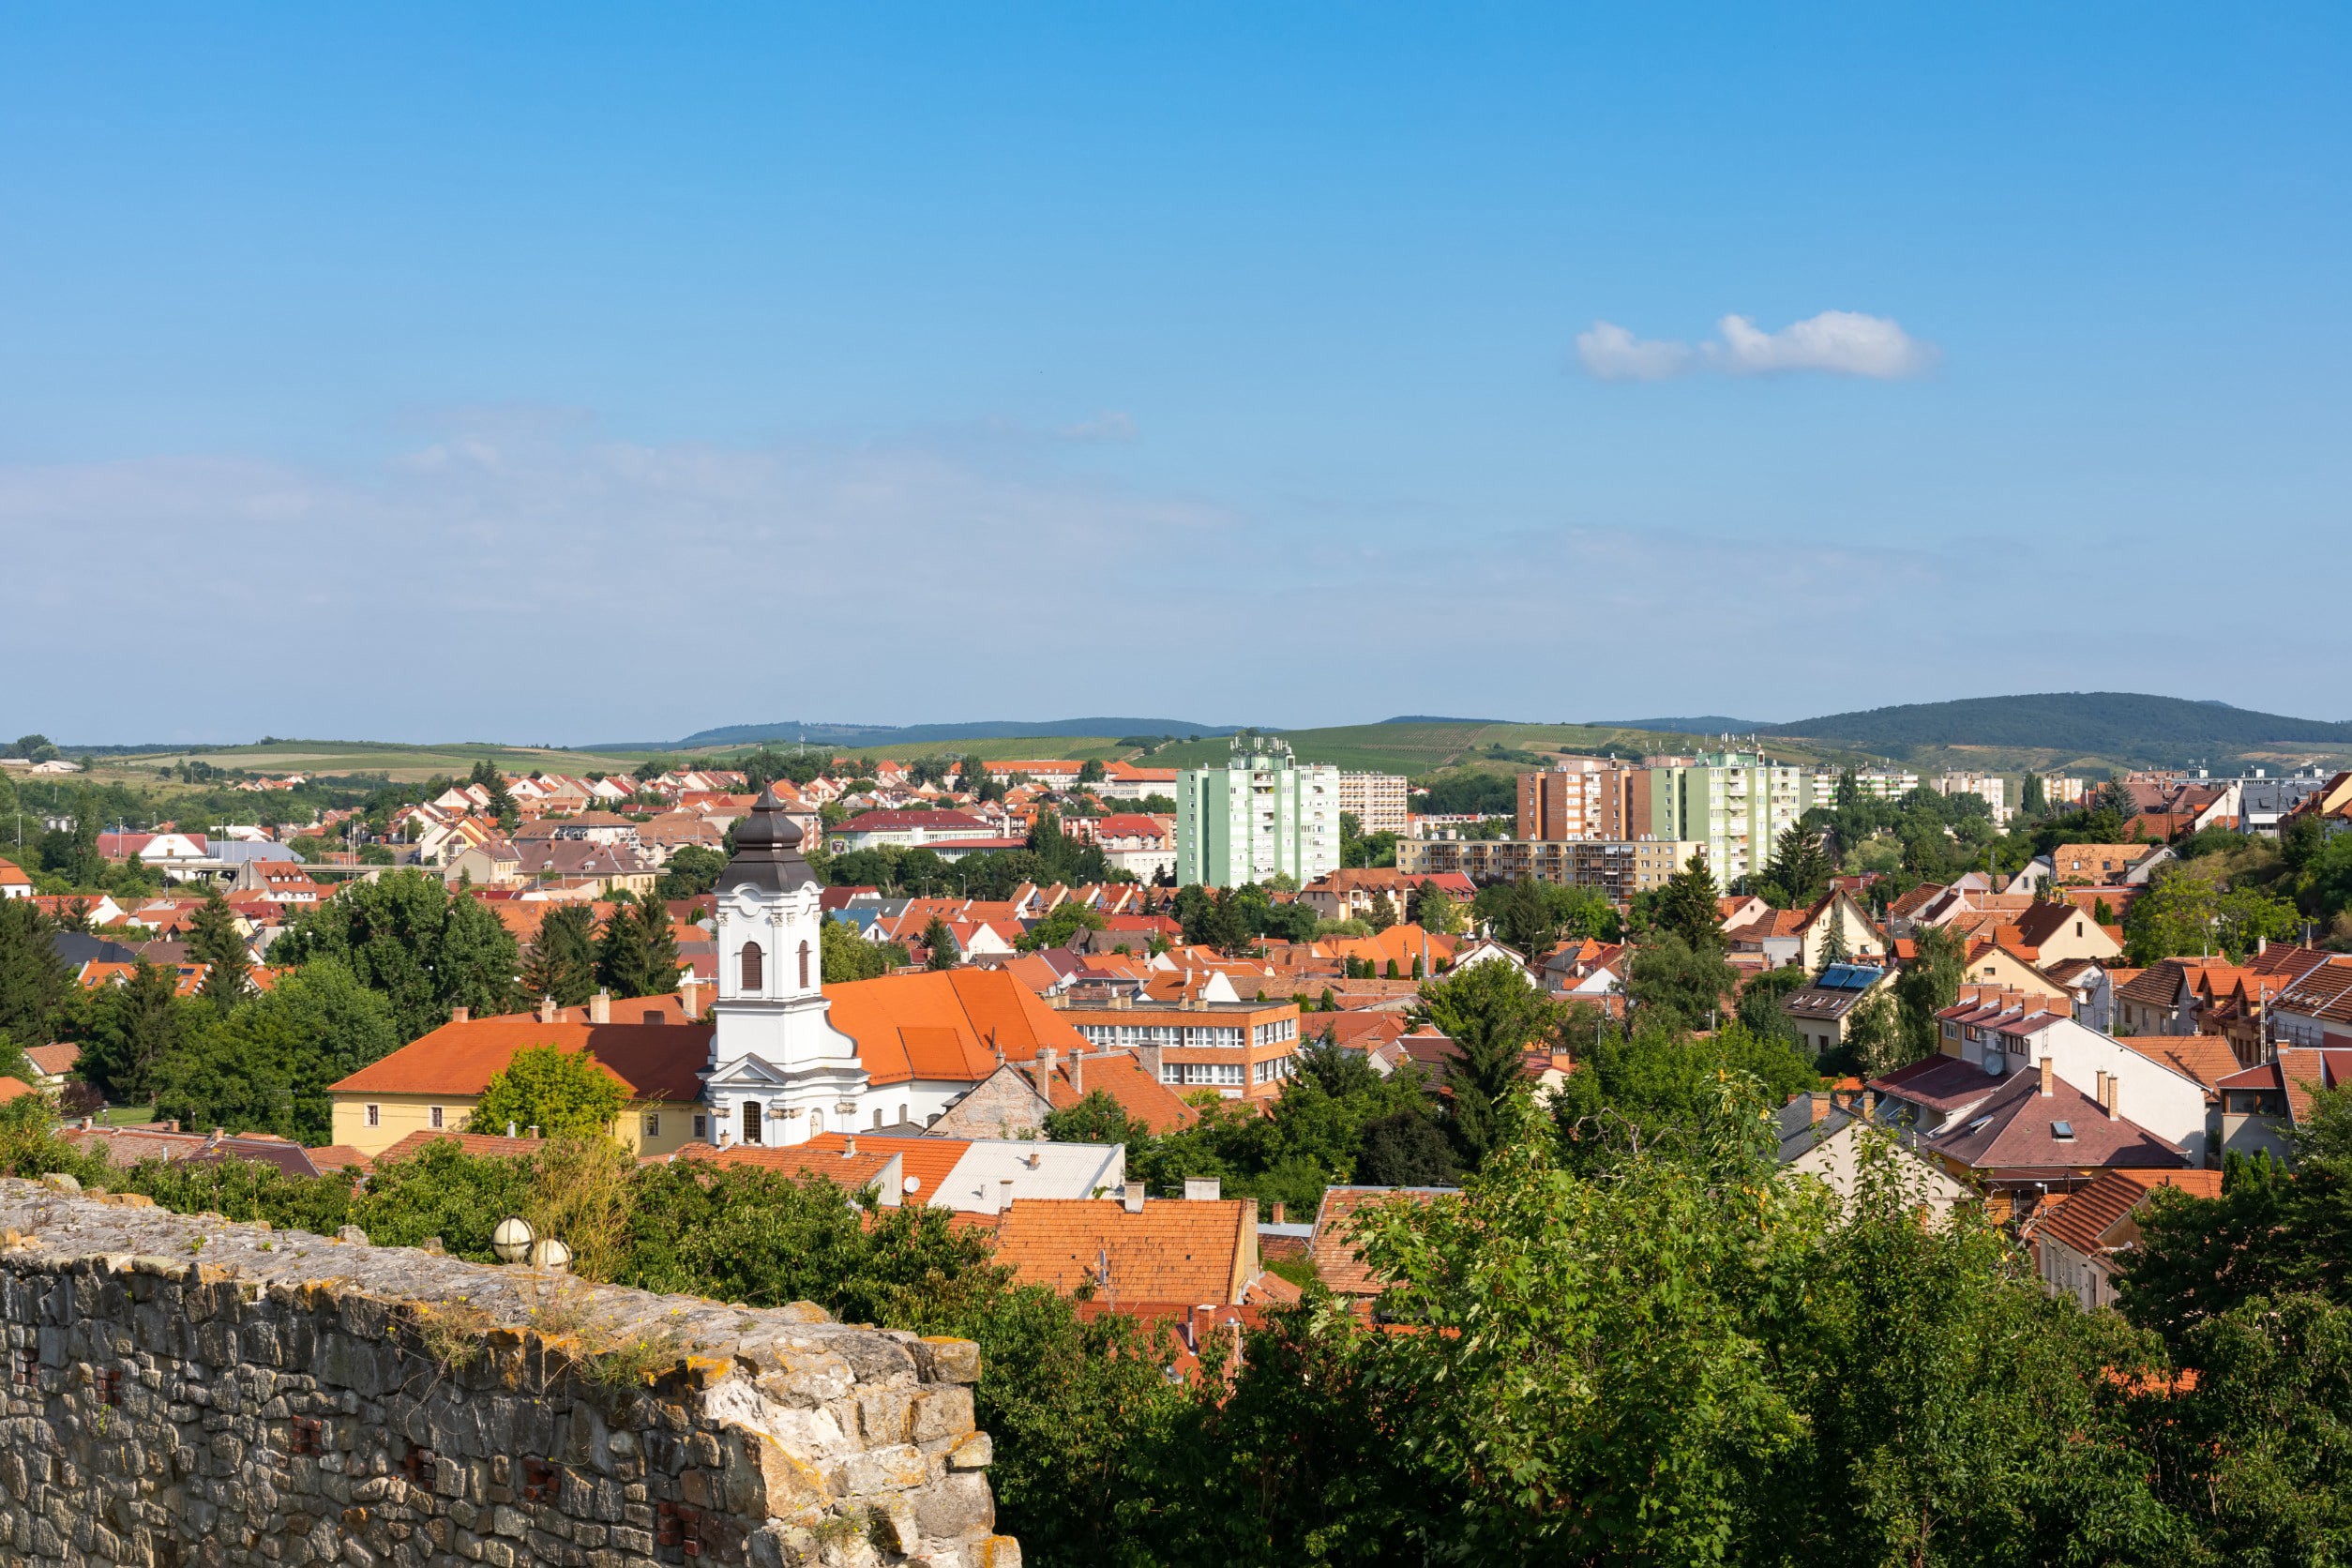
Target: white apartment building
(1262, 815)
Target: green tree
(1799, 871)
(1436, 912)
(846, 956)
(1383, 913)
(132, 1028)
(561, 1092)
(1688, 907)
(267, 1066)
(1682, 985)
(404, 935)
(1925, 987)
(33, 980)
(213, 940)
(940, 942)
(2188, 909)
(1494, 1016)
(1062, 922)
(637, 954)
(561, 961)
(692, 871)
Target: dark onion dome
(768, 849)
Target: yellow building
(433, 1083)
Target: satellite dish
(914, 1184)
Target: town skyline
(488, 333)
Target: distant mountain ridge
(2134, 726)
(920, 734)
(1706, 724)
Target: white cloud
(1612, 353)
(1835, 342)
(1839, 342)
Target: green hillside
(1419, 749)
(2077, 729)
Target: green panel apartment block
(1261, 815)
(1736, 803)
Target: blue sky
(583, 373)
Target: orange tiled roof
(946, 1024)
(654, 1061)
(1122, 1076)
(1168, 1251)
(2206, 1057)
(1334, 1253)
(2090, 1212)
(926, 1161)
(850, 1173)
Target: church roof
(946, 1025)
(768, 849)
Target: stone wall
(185, 1391)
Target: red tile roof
(1332, 1249)
(2088, 1218)
(1170, 1250)
(654, 1061)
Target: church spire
(768, 849)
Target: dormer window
(753, 976)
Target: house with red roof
(2262, 1106)
(2078, 1239)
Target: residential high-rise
(1579, 798)
(1376, 800)
(1736, 803)
(1262, 815)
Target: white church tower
(779, 1072)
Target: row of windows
(1161, 1034)
(1275, 1032)
(1200, 1072)
(1275, 1068)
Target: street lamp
(512, 1239)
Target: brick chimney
(600, 1007)
(546, 1009)
(690, 996)
(461, 1014)
(1041, 1067)
(1820, 1104)
(2049, 1078)
(1275, 1215)
(1077, 1072)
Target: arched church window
(804, 966)
(752, 977)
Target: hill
(2125, 727)
(869, 736)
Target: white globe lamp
(548, 1252)
(512, 1239)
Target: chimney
(1131, 1196)
(690, 996)
(461, 1014)
(1042, 1067)
(1077, 1074)
(1820, 1104)
(546, 1009)
(1276, 1213)
(849, 1148)
(1203, 1189)
(2115, 1093)
(600, 1007)
(1004, 1195)
(530, 1131)
(2049, 1078)
(510, 1129)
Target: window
(752, 977)
(375, 1116)
(702, 1128)
(816, 1123)
(2062, 1130)
(653, 1123)
(434, 1115)
(752, 1121)
(804, 966)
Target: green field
(407, 764)
(1419, 749)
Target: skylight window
(2062, 1130)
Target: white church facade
(780, 1073)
